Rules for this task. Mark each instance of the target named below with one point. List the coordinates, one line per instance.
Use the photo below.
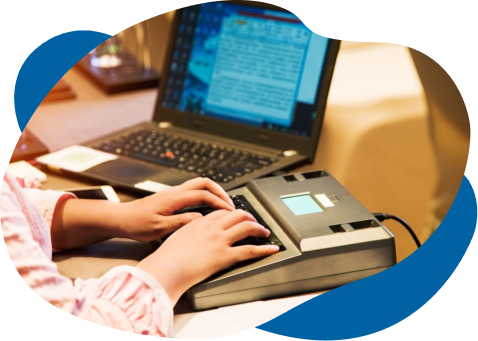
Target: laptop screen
(250, 65)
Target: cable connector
(381, 216)
(385, 216)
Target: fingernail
(195, 215)
(274, 248)
(231, 202)
(267, 232)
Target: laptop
(242, 95)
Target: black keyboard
(242, 203)
(219, 163)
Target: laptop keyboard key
(165, 161)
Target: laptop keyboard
(219, 163)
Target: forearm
(79, 222)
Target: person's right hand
(204, 247)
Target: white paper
(76, 158)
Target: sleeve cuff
(47, 201)
(140, 296)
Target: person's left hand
(153, 217)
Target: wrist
(117, 219)
(167, 273)
(125, 219)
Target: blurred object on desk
(60, 91)
(115, 70)
(22, 169)
(28, 147)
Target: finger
(198, 197)
(216, 215)
(247, 229)
(234, 218)
(246, 252)
(174, 222)
(207, 184)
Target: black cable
(385, 216)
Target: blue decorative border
(45, 66)
(360, 308)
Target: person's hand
(204, 247)
(80, 222)
(153, 217)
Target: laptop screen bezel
(256, 135)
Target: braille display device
(326, 239)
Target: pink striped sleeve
(46, 201)
(125, 298)
(132, 293)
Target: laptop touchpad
(125, 171)
(171, 177)
(132, 172)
